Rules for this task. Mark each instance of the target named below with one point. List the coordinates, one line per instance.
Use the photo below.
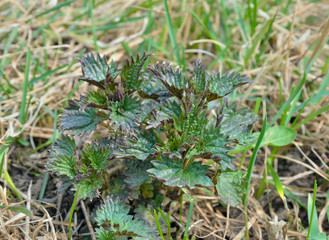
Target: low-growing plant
(159, 129)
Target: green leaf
(78, 121)
(87, 188)
(230, 185)
(113, 217)
(96, 97)
(214, 145)
(277, 182)
(222, 85)
(173, 79)
(235, 123)
(169, 109)
(140, 149)
(102, 234)
(136, 172)
(199, 78)
(173, 174)
(96, 156)
(278, 136)
(94, 70)
(62, 160)
(124, 113)
(152, 87)
(132, 70)
(24, 210)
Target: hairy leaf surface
(113, 217)
(78, 121)
(141, 148)
(230, 185)
(132, 70)
(235, 123)
(136, 172)
(173, 174)
(221, 85)
(124, 113)
(94, 70)
(62, 160)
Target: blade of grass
(287, 103)
(277, 181)
(24, 210)
(4, 148)
(310, 116)
(11, 184)
(46, 74)
(25, 86)
(250, 169)
(172, 35)
(257, 38)
(63, 4)
(189, 217)
(91, 9)
(312, 215)
(167, 220)
(72, 211)
(158, 225)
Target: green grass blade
(46, 74)
(91, 9)
(158, 224)
(313, 115)
(72, 211)
(256, 40)
(250, 169)
(24, 210)
(11, 185)
(189, 217)
(277, 181)
(312, 215)
(25, 86)
(287, 103)
(63, 4)
(172, 35)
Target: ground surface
(272, 42)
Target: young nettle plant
(161, 123)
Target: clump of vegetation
(162, 129)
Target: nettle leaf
(173, 79)
(95, 156)
(102, 234)
(96, 97)
(152, 87)
(141, 148)
(230, 185)
(87, 187)
(62, 159)
(136, 172)
(222, 85)
(78, 121)
(113, 217)
(94, 70)
(191, 123)
(132, 70)
(169, 109)
(235, 123)
(199, 78)
(216, 145)
(173, 174)
(124, 113)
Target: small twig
(85, 213)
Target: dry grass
(276, 66)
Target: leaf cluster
(159, 123)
